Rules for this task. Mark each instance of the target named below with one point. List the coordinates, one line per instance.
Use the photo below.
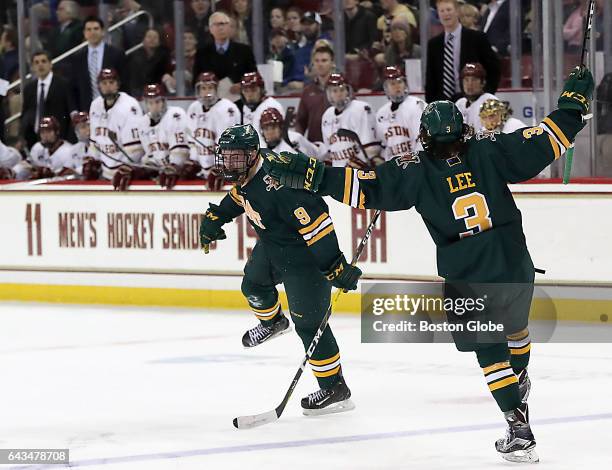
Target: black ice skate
(327, 401)
(524, 385)
(259, 334)
(519, 443)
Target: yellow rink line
(586, 310)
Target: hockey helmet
(252, 88)
(108, 74)
(207, 95)
(48, 123)
(154, 101)
(80, 122)
(80, 118)
(441, 122)
(474, 69)
(236, 153)
(339, 92)
(271, 126)
(494, 113)
(394, 84)
(109, 91)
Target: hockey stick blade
(253, 421)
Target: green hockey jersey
(465, 201)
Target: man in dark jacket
(360, 27)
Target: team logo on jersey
(368, 109)
(271, 183)
(405, 160)
(230, 111)
(176, 116)
(481, 135)
(134, 111)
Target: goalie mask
(271, 125)
(236, 153)
(154, 102)
(494, 114)
(394, 84)
(206, 89)
(339, 93)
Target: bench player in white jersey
(51, 156)
(496, 115)
(271, 124)
(398, 122)
(84, 154)
(208, 117)
(473, 79)
(114, 118)
(354, 115)
(253, 93)
(163, 135)
(9, 158)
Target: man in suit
(227, 59)
(48, 95)
(89, 61)
(496, 25)
(448, 52)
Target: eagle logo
(404, 160)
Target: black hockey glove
(294, 170)
(343, 275)
(577, 91)
(211, 228)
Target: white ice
(150, 388)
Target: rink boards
(77, 243)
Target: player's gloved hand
(168, 176)
(214, 180)
(343, 275)
(577, 91)
(190, 170)
(294, 170)
(211, 228)
(91, 168)
(7, 174)
(39, 172)
(122, 178)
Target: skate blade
(521, 456)
(286, 330)
(340, 407)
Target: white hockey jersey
(253, 117)
(398, 130)
(302, 144)
(79, 152)
(9, 157)
(57, 161)
(159, 141)
(122, 120)
(471, 113)
(356, 117)
(207, 126)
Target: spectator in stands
(10, 57)
(294, 24)
(191, 47)
(69, 32)
(198, 21)
(241, 10)
(148, 64)
(573, 28)
(496, 25)
(227, 59)
(401, 46)
(469, 16)
(89, 61)
(131, 33)
(313, 101)
(277, 18)
(48, 95)
(311, 28)
(449, 51)
(359, 27)
(282, 50)
(393, 9)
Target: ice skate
(327, 401)
(260, 334)
(519, 443)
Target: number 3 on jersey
(478, 218)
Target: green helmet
(441, 121)
(234, 155)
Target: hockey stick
(135, 165)
(27, 184)
(286, 125)
(119, 147)
(355, 138)
(252, 421)
(569, 158)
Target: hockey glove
(7, 174)
(294, 170)
(39, 172)
(91, 168)
(214, 181)
(122, 178)
(168, 176)
(190, 170)
(577, 91)
(343, 275)
(211, 228)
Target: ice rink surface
(147, 388)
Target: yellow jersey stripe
(554, 146)
(503, 383)
(524, 350)
(348, 176)
(266, 310)
(329, 373)
(235, 197)
(558, 132)
(322, 362)
(518, 336)
(494, 367)
(320, 235)
(314, 225)
(361, 204)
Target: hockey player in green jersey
(459, 186)
(297, 245)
